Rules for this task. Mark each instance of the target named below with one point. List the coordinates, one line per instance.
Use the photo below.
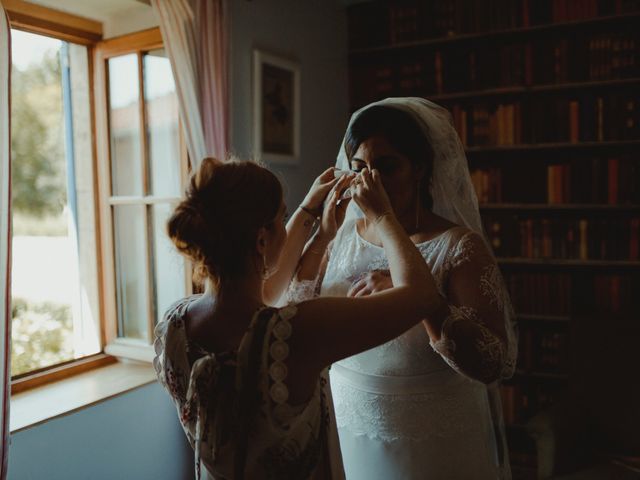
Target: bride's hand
(320, 187)
(371, 282)
(370, 195)
(334, 210)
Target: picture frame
(276, 108)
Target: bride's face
(396, 171)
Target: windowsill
(41, 404)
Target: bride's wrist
(384, 215)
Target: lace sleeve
(477, 338)
(301, 290)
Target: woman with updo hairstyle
(249, 379)
(426, 404)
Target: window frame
(135, 43)
(71, 28)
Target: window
(98, 164)
(55, 298)
(143, 167)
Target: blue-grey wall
(314, 33)
(137, 435)
(134, 435)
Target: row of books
(489, 125)
(487, 182)
(519, 402)
(608, 294)
(543, 350)
(579, 58)
(612, 181)
(565, 238)
(541, 293)
(381, 23)
(609, 56)
(614, 117)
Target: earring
(417, 206)
(265, 269)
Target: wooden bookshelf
(543, 318)
(528, 90)
(564, 264)
(559, 208)
(631, 18)
(630, 144)
(542, 375)
(559, 146)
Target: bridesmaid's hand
(334, 210)
(370, 195)
(372, 282)
(320, 189)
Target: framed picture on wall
(276, 108)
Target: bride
(426, 404)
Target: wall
(133, 19)
(135, 435)
(313, 32)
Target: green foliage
(42, 335)
(38, 165)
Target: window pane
(168, 264)
(48, 321)
(162, 124)
(124, 121)
(131, 271)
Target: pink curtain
(5, 235)
(195, 34)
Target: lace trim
(278, 371)
(416, 417)
(488, 345)
(462, 252)
(301, 290)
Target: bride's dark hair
(404, 135)
(217, 222)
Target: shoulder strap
(249, 396)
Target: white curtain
(195, 34)
(5, 235)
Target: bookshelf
(545, 97)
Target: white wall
(133, 436)
(313, 32)
(133, 19)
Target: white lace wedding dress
(403, 409)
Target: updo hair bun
(216, 223)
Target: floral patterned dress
(233, 405)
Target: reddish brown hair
(217, 223)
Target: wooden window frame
(138, 43)
(63, 26)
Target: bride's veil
(454, 198)
(451, 187)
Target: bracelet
(310, 212)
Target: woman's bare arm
(299, 228)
